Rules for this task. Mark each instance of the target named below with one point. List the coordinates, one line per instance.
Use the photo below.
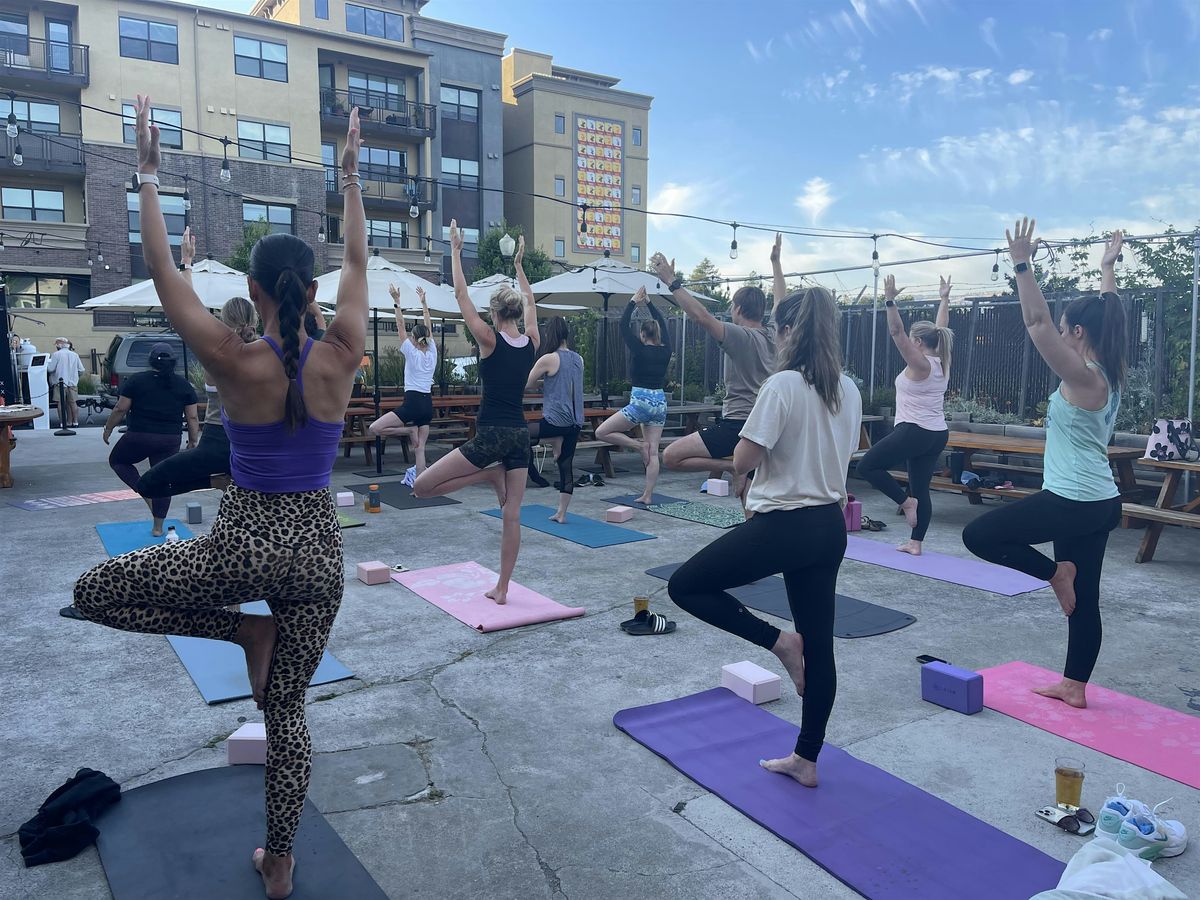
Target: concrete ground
(457, 764)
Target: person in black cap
(155, 402)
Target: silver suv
(129, 354)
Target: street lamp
(507, 247)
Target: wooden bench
(974, 496)
(1137, 514)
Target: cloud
(1100, 34)
(1126, 99)
(815, 199)
(987, 31)
(753, 51)
(673, 198)
(860, 10)
(947, 82)
(1019, 76)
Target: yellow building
(579, 142)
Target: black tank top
(504, 373)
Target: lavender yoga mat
(973, 573)
(459, 590)
(880, 835)
(1156, 738)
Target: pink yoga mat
(1153, 737)
(966, 571)
(459, 590)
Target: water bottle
(373, 501)
(172, 535)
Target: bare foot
(803, 770)
(790, 650)
(276, 872)
(1063, 583)
(1068, 691)
(499, 594)
(156, 531)
(645, 499)
(913, 547)
(645, 448)
(909, 510)
(561, 519)
(499, 484)
(256, 636)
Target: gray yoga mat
(190, 838)
(853, 618)
(398, 496)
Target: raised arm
(631, 340)
(401, 331)
(187, 253)
(348, 330)
(778, 283)
(943, 313)
(913, 357)
(425, 312)
(1059, 356)
(531, 325)
(662, 325)
(484, 333)
(693, 308)
(1108, 263)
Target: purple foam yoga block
(958, 689)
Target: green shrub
(391, 367)
(980, 412)
(87, 384)
(1136, 413)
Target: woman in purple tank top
(276, 537)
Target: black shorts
(417, 408)
(508, 445)
(721, 437)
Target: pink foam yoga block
(248, 745)
(717, 487)
(619, 514)
(751, 682)
(374, 572)
(958, 689)
(853, 513)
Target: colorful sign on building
(599, 183)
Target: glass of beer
(1068, 782)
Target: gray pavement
(458, 765)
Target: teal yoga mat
(124, 537)
(578, 530)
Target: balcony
(62, 153)
(387, 191)
(379, 114)
(36, 59)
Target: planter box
(1034, 432)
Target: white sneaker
(1150, 837)
(410, 476)
(1116, 811)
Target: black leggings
(138, 446)
(189, 470)
(919, 449)
(566, 456)
(1079, 530)
(807, 546)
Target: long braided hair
(282, 265)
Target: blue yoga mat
(124, 537)
(578, 530)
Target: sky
(926, 117)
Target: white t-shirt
(418, 366)
(808, 448)
(65, 364)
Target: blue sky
(919, 116)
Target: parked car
(129, 354)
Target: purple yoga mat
(880, 835)
(973, 573)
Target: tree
(492, 261)
(704, 280)
(240, 258)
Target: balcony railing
(379, 112)
(382, 189)
(45, 60)
(41, 153)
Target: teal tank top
(1077, 466)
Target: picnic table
(691, 413)
(1164, 511)
(10, 416)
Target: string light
(428, 244)
(18, 159)
(321, 234)
(12, 129)
(583, 208)
(226, 175)
(187, 196)
(875, 262)
(733, 251)
(2, 246)
(996, 267)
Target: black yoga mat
(399, 496)
(853, 618)
(191, 837)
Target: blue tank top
(269, 459)
(1077, 466)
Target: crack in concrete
(716, 868)
(741, 859)
(430, 794)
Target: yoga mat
(704, 513)
(77, 500)
(218, 668)
(853, 618)
(346, 522)
(190, 838)
(631, 500)
(1156, 738)
(973, 573)
(880, 835)
(578, 530)
(123, 537)
(399, 496)
(459, 590)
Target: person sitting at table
(560, 369)
(1079, 503)
(650, 356)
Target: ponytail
(1104, 323)
(937, 338)
(293, 298)
(420, 336)
(238, 313)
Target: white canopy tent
(213, 282)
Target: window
(257, 140)
(460, 173)
(155, 41)
(461, 104)
(14, 34)
(374, 22)
(637, 195)
(377, 91)
(321, 9)
(470, 235)
(560, 187)
(637, 137)
(260, 59)
(169, 122)
(279, 218)
(330, 160)
(385, 233)
(382, 164)
(173, 212)
(560, 248)
(41, 118)
(32, 205)
(560, 124)
(635, 253)
(38, 291)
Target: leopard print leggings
(282, 548)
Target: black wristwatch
(1021, 267)
(184, 267)
(889, 302)
(675, 285)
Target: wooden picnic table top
(1175, 464)
(998, 443)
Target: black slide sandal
(654, 624)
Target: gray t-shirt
(750, 361)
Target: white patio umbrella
(213, 282)
(481, 293)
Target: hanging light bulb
(733, 243)
(996, 267)
(414, 211)
(1120, 261)
(875, 262)
(583, 219)
(2, 247)
(187, 200)
(12, 129)
(321, 235)
(226, 175)
(18, 159)
(428, 242)
(100, 255)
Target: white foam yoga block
(248, 745)
(717, 487)
(619, 514)
(345, 498)
(751, 682)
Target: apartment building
(583, 145)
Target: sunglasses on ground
(1074, 822)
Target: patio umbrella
(481, 294)
(213, 282)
